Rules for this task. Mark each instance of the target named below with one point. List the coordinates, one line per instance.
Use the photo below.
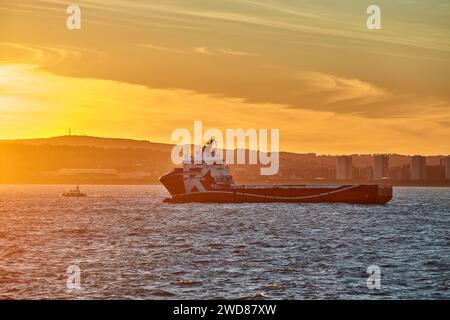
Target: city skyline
(35, 141)
(70, 158)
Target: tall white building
(344, 168)
(418, 168)
(380, 167)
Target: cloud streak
(326, 92)
(45, 55)
(302, 19)
(231, 52)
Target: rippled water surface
(130, 245)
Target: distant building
(396, 173)
(446, 164)
(435, 173)
(365, 173)
(418, 168)
(399, 173)
(344, 168)
(380, 167)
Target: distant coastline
(69, 160)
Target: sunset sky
(141, 69)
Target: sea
(123, 242)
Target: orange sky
(141, 69)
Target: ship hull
(352, 194)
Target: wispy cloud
(45, 55)
(236, 52)
(202, 50)
(208, 51)
(296, 20)
(326, 92)
(161, 48)
(327, 21)
(199, 50)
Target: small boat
(74, 193)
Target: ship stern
(384, 194)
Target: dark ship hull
(206, 190)
(75, 193)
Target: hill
(89, 141)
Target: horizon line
(171, 144)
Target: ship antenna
(210, 142)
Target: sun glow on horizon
(42, 104)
